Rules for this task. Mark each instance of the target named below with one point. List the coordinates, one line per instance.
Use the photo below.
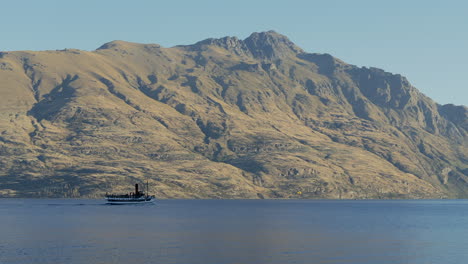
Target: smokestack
(136, 188)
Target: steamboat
(136, 197)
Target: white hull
(129, 201)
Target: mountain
(222, 118)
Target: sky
(426, 41)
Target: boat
(136, 197)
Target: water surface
(233, 231)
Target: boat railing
(125, 195)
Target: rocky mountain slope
(223, 118)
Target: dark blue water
(234, 231)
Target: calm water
(234, 231)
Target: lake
(234, 231)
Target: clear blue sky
(427, 41)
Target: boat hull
(129, 201)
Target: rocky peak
(260, 45)
(226, 42)
(229, 43)
(270, 45)
(458, 114)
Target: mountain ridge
(222, 118)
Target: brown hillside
(223, 118)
